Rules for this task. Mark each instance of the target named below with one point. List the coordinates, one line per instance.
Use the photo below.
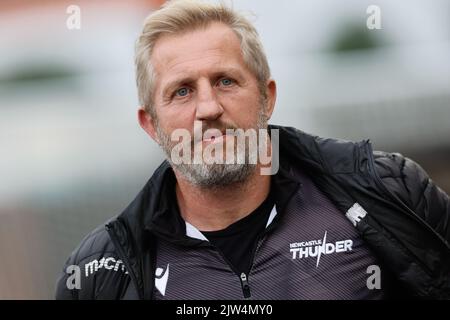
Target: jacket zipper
(245, 285)
(243, 277)
(124, 258)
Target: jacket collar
(146, 216)
(150, 210)
(165, 221)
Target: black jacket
(407, 224)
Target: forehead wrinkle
(215, 32)
(178, 63)
(219, 37)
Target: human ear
(271, 94)
(147, 123)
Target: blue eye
(182, 92)
(226, 82)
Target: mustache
(199, 131)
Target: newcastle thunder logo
(317, 248)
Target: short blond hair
(180, 16)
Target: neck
(217, 208)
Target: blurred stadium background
(72, 153)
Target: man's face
(201, 76)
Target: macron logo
(161, 277)
(109, 263)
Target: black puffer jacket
(407, 224)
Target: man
(333, 220)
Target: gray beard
(215, 175)
(212, 175)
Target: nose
(208, 106)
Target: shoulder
(411, 183)
(402, 176)
(94, 244)
(93, 263)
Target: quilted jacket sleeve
(409, 181)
